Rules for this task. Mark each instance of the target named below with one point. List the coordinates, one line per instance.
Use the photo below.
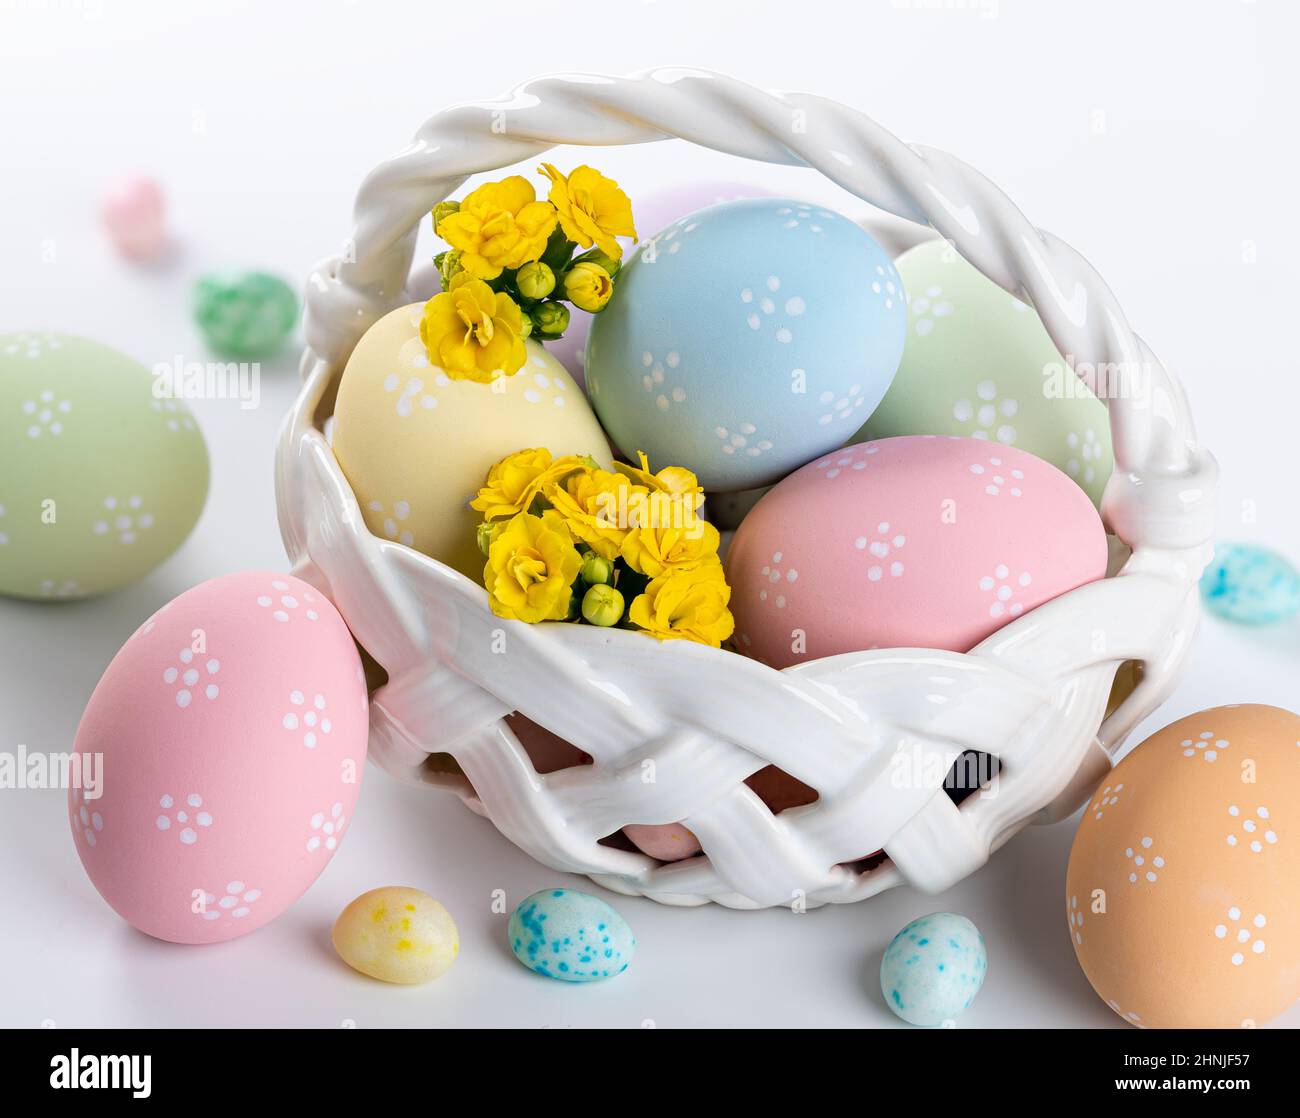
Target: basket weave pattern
(674, 729)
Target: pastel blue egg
(745, 340)
(933, 968)
(571, 936)
(1250, 585)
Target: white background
(1155, 137)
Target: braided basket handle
(1148, 501)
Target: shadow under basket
(675, 731)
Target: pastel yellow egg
(397, 934)
(1182, 898)
(416, 445)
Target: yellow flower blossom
(591, 208)
(686, 605)
(500, 225)
(600, 508)
(674, 480)
(472, 332)
(531, 568)
(518, 478)
(664, 546)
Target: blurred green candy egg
(99, 480)
(978, 363)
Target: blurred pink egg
(132, 212)
(232, 730)
(652, 212)
(659, 208)
(912, 542)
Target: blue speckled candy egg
(933, 969)
(746, 339)
(1250, 585)
(572, 936)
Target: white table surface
(1154, 137)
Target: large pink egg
(913, 542)
(232, 730)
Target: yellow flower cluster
(547, 521)
(510, 262)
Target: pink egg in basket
(912, 542)
(232, 730)
(656, 210)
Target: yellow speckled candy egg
(416, 445)
(1182, 895)
(397, 934)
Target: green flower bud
(602, 605)
(602, 260)
(442, 211)
(596, 570)
(588, 286)
(550, 318)
(487, 532)
(535, 280)
(448, 264)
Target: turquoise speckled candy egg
(933, 969)
(572, 936)
(979, 363)
(746, 339)
(100, 480)
(1250, 585)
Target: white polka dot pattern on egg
(655, 379)
(801, 216)
(1205, 745)
(779, 579)
(326, 828)
(841, 408)
(927, 308)
(997, 478)
(309, 717)
(1242, 935)
(1256, 827)
(410, 394)
(1074, 918)
(744, 439)
(883, 546)
(236, 901)
(125, 519)
(87, 821)
(1085, 451)
(45, 414)
(176, 415)
(854, 458)
(1146, 864)
(284, 604)
(987, 414)
(186, 820)
(192, 676)
(760, 303)
(1004, 590)
(392, 524)
(1107, 797)
(888, 286)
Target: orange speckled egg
(1183, 890)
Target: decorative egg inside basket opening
(996, 660)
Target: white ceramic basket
(853, 726)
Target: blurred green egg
(99, 480)
(979, 363)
